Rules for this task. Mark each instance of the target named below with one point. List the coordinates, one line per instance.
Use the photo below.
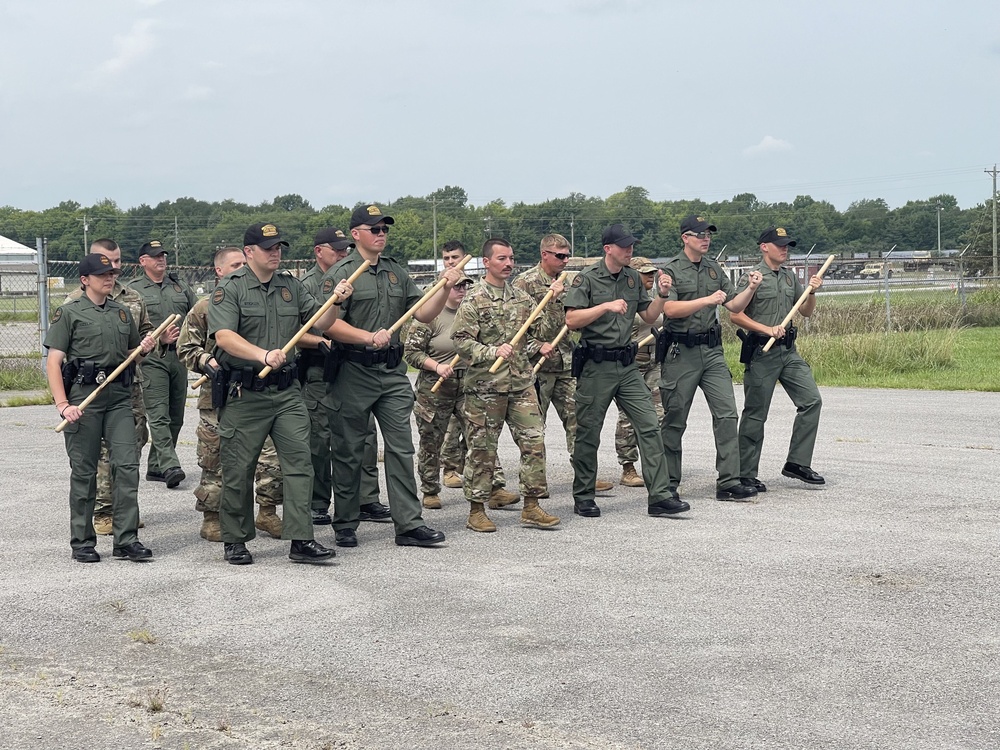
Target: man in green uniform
(775, 297)
(485, 324)
(87, 340)
(601, 304)
(694, 357)
(255, 311)
(164, 386)
(430, 349)
(626, 445)
(123, 295)
(196, 350)
(330, 246)
(372, 379)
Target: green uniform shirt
(694, 280)
(775, 297)
(382, 294)
(164, 299)
(489, 317)
(127, 296)
(105, 335)
(548, 324)
(596, 285)
(267, 317)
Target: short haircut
(492, 243)
(106, 244)
(553, 240)
(451, 246)
(222, 252)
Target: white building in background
(18, 268)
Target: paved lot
(860, 615)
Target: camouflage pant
(103, 504)
(558, 388)
(209, 489)
(453, 453)
(485, 414)
(433, 412)
(626, 445)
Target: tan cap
(642, 265)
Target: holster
(791, 333)
(628, 355)
(579, 358)
(332, 363)
(748, 348)
(69, 370)
(393, 355)
(663, 341)
(220, 387)
(128, 375)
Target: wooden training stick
(121, 368)
(334, 298)
(648, 340)
(805, 295)
(440, 380)
(531, 319)
(427, 295)
(554, 343)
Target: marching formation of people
(298, 374)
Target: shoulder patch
(56, 315)
(286, 294)
(177, 287)
(744, 280)
(123, 316)
(220, 294)
(578, 280)
(788, 279)
(712, 273)
(630, 281)
(393, 278)
(327, 286)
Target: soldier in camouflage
(429, 349)
(194, 348)
(131, 299)
(487, 320)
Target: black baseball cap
(265, 235)
(333, 237)
(696, 224)
(369, 214)
(96, 264)
(153, 248)
(776, 235)
(617, 234)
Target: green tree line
(198, 228)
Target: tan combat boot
(210, 530)
(478, 520)
(433, 502)
(629, 476)
(501, 498)
(268, 521)
(600, 486)
(102, 525)
(452, 480)
(533, 515)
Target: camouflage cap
(642, 265)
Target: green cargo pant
(597, 386)
(164, 391)
(680, 377)
(785, 366)
(244, 424)
(626, 446)
(102, 506)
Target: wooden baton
(427, 295)
(121, 368)
(531, 319)
(797, 305)
(554, 343)
(440, 380)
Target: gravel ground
(858, 615)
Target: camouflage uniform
(487, 318)
(556, 384)
(626, 445)
(131, 299)
(453, 448)
(194, 349)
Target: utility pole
(939, 227)
(177, 257)
(571, 236)
(487, 221)
(86, 246)
(994, 173)
(434, 214)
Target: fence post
(43, 296)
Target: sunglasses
(558, 256)
(699, 235)
(377, 230)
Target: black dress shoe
(736, 492)
(86, 554)
(754, 482)
(135, 551)
(422, 536)
(346, 538)
(669, 507)
(586, 508)
(174, 476)
(804, 473)
(309, 551)
(321, 518)
(237, 554)
(375, 512)
(155, 476)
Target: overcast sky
(343, 101)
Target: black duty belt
(311, 358)
(88, 372)
(711, 338)
(283, 377)
(623, 354)
(391, 356)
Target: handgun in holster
(220, 386)
(663, 341)
(69, 370)
(332, 363)
(393, 356)
(579, 359)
